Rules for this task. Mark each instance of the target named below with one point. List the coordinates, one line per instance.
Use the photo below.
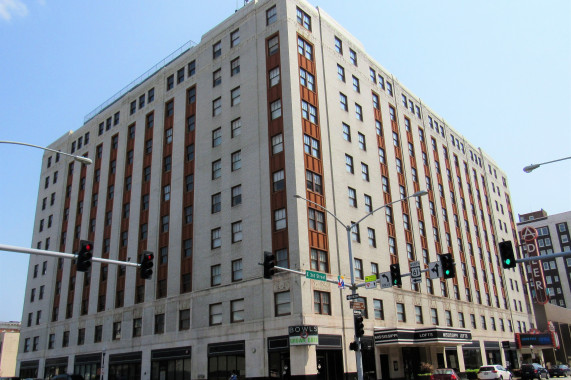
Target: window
(349, 164)
(379, 310)
(191, 95)
(216, 77)
(170, 82)
(368, 203)
(235, 38)
(236, 127)
(309, 112)
(346, 132)
(307, 79)
(216, 50)
(382, 158)
(304, 48)
(358, 268)
(282, 301)
(311, 146)
(319, 260)
(278, 180)
(216, 169)
(372, 237)
(116, 331)
(356, 233)
(167, 164)
(401, 314)
(376, 103)
(237, 274)
(352, 197)
(184, 319)
(338, 45)
(273, 45)
(237, 231)
(236, 195)
(353, 56)
(187, 248)
(276, 109)
(321, 302)
(316, 220)
(313, 182)
(343, 101)
(277, 144)
(216, 137)
(390, 89)
(274, 76)
(341, 73)
(303, 19)
(215, 275)
(365, 171)
(215, 313)
(165, 223)
(215, 238)
(282, 258)
(159, 324)
(280, 219)
(190, 152)
(237, 310)
(151, 95)
(235, 66)
(236, 158)
(356, 85)
(358, 112)
(235, 97)
(418, 314)
(217, 107)
(180, 76)
(271, 15)
(216, 203)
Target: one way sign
(435, 270)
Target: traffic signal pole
(33, 251)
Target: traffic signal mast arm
(33, 251)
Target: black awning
(422, 336)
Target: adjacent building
(9, 338)
(200, 161)
(553, 318)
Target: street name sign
(315, 275)
(415, 274)
(352, 297)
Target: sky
(498, 72)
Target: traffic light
(353, 346)
(146, 268)
(269, 264)
(84, 255)
(395, 275)
(507, 254)
(359, 325)
(448, 266)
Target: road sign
(315, 275)
(357, 305)
(415, 274)
(341, 282)
(435, 270)
(352, 297)
(371, 281)
(385, 280)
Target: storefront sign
(529, 235)
(303, 335)
(538, 339)
(428, 335)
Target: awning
(431, 335)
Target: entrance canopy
(432, 335)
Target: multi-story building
(9, 338)
(552, 237)
(200, 162)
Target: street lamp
(532, 167)
(353, 286)
(83, 160)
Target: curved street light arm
(532, 167)
(83, 160)
(323, 208)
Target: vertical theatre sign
(529, 236)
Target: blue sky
(499, 72)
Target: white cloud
(9, 8)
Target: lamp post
(83, 160)
(532, 167)
(353, 286)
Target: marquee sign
(427, 335)
(529, 235)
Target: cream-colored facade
(206, 184)
(9, 338)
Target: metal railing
(149, 73)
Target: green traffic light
(508, 261)
(447, 272)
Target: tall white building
(199, 163)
